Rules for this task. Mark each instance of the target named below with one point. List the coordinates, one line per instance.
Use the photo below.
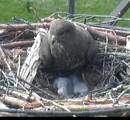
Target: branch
(98, 32)
(119, 39)
(17, 44)
(18, 103)
(16, 27)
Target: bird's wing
(45, 53)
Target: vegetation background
(43, 8)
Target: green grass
(102, 7)
(43, 8)
(10, 8)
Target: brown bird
(67, 47)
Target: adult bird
(67, 47)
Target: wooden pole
(71, 8)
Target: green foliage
(33, 9)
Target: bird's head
(61, 30)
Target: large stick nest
(109, 75)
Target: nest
(109, 75)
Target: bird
(70, 86)
(64, 87)
(67, 47)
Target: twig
(111, 96)
(8, 84)
(50, 101)
(119, 97)
(10, 71)
(18, 70)
(36, 88)
(13, 80)
(4, 58)
(117, 54)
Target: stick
(120, 40)
(17, 44)
(16, 27)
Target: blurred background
(31, 10)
